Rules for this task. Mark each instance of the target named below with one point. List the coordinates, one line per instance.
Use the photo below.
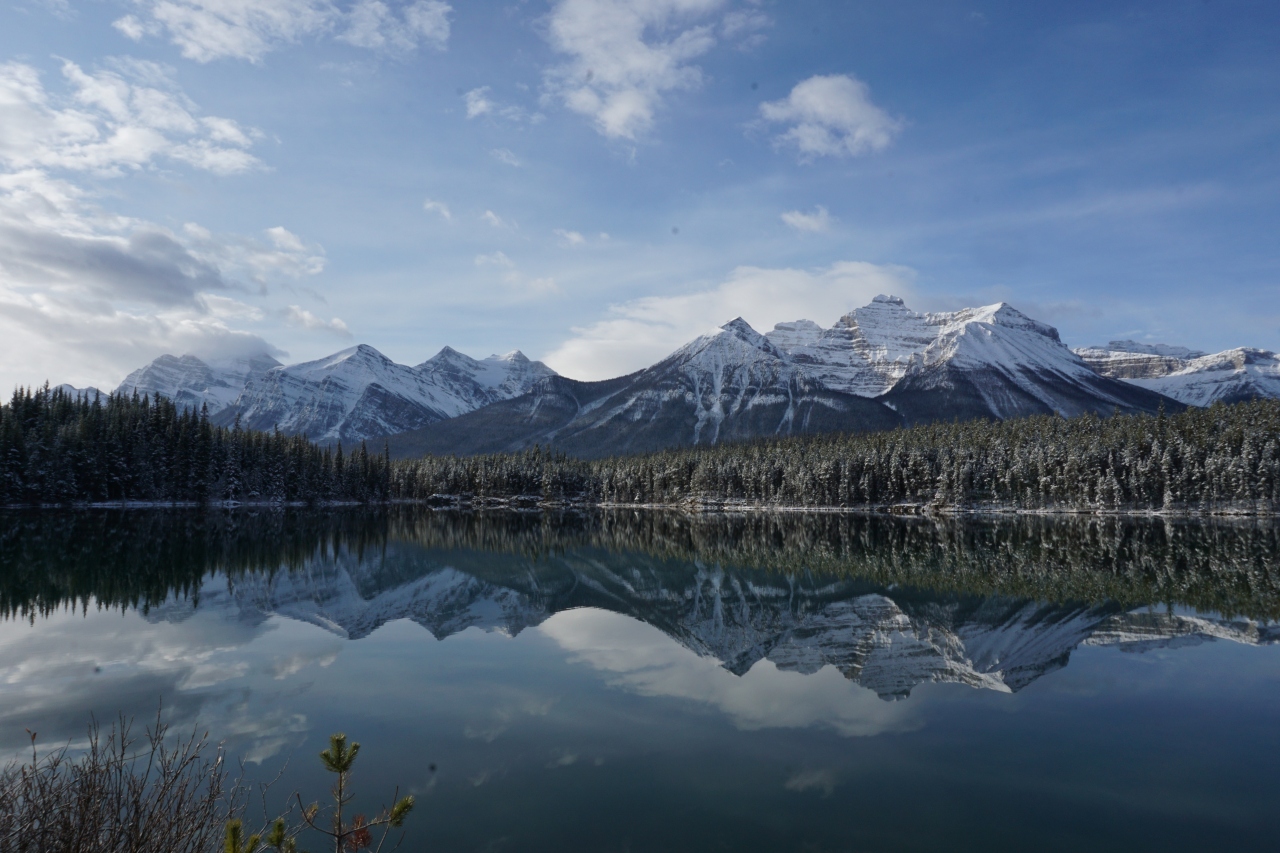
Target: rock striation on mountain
(191, 382)
(992, 362)
(1189, 376)
(731, 384)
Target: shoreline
(533, 503)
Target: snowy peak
(1187, 375)
(991, 361)
(741, 329)
(869, 350)
(191, 382)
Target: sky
(596, 182)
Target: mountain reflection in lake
(651, 680)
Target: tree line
(1225, 458)
(59, 448)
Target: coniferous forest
(56, 448)
(1219, 459)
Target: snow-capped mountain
(191, 383)
(992, 362)
(76, 393)
(351, 395)
(478, 382)
(885, 641)
(731, 384)
(1189, 376)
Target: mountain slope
(191, 383)
(351, 395)
(992, 362)
(731, 384)
(1189, 376)
(359, 393)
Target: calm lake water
(633, 682)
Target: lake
(655, 681)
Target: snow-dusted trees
(56, 448)
(1224, 458)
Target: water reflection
(574, 676)
(887, 603)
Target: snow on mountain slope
(733, 383)
(191, 383)
(359, 393)
(865, 352)
(992, 361)
(473, 383)
(1189, 376)
(351, 395)
(75, 393)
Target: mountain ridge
(877, 367)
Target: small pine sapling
(359, 833)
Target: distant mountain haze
(878, 367)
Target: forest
(56, 448)
(1225, 458)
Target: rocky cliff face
(1189, 376)
(992, 362)
(191, 382)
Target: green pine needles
(347, 836)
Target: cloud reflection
(643, 660)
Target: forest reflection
(133, 558)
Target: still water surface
(655, 682)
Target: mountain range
(878, 367)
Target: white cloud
(296, 315)
(817, 222)
(515, 280)
(645, 661)
(625, 55)
(746, 23)
(494, 219)
(131, 27)
(86, 295)
(638, 333)
(570, 238)
(375, 25)
(831, 116)
(438, 207)
(497, 259)
(205, 30)
(503, 155)
(107, 124)
(478, 102)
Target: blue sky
(596, 181)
